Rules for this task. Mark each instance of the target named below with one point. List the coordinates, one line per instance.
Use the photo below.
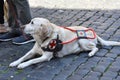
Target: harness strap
(79, 37)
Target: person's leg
(20, 14)
(23, 11)
(2, 27)
(12, 23)
(13, 20)
(1, 12)
(24, 17)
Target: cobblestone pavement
(105, 65)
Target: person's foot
(23, 39)
(8, 36)
(3, 29)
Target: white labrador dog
(55, 40)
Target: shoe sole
(4, 40)
(24, 42)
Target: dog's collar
(45, 39)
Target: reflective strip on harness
(87, 34)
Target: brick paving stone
(80, 72)
(102, 52)
(115, 63)
(101, 19)
(96, 24)
(87, 16)
(114, 68)
(116, 24)
(107, 24)
(116, 16)
(106, 78)
(28, 78)
(107, 14)
(115, 50)
(67, 23)
(114, 38)
(77, 23)
(88, 65)
(75, 77)
(99, 13)
(99, 31)
(100, 68)
(86, 24)
(91, 78)
(110, 74)
(95, 59)
(110, 31)
(117, 32)
(103, 65)
(95, 74)
(105, 36)
(107, 59)
(111, 55)
(118, 78)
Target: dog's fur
(41, 28)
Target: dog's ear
(46, 29)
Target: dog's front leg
(45, 57)
(28, 55)
(25, 57)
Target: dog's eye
(32, 22)
(41, 25)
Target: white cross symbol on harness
(52, 44)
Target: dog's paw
(90, 54)
(22, 65)
(15, 63)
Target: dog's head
(38, 26)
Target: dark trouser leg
(1, 12)
(19, 13)
(23, 11)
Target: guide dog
(52, 40)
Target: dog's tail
(108, 43)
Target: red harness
(81, 32)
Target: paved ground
(105, 65)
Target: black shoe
(8, 36)
(23, 39)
